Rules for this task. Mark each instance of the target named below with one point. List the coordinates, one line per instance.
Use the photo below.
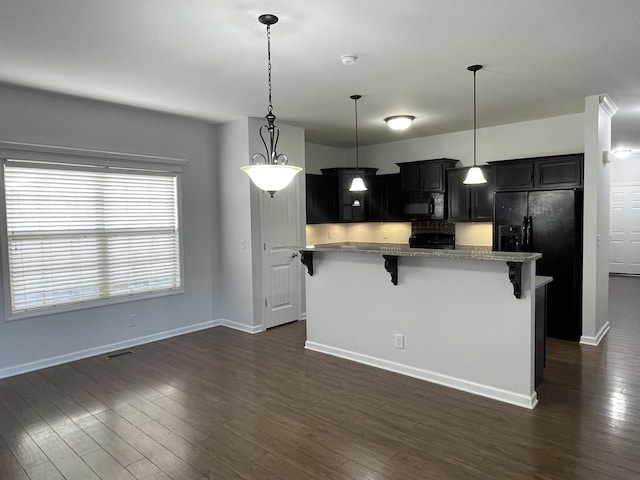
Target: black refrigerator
(548, 222)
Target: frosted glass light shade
(357, 185)
(399, 122)
(271, 178)
(474, 176)
(623, 153)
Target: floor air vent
(119, 354)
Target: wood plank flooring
(220, 404)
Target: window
(84, 235)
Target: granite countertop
(403, 250)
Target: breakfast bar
(462, 318)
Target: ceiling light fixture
(272, 172)
(357, 185)
(622, 153)
(400, 122)
(348, 59)
(474, 175)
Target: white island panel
(462, 325)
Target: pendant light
(474, 175)
(270, 172)
(357, 185)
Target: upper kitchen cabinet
(385, 198)
(322, 198)
(470, 203)
(540, 173)
(425, 175)
(559, 172)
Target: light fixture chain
(270, 108)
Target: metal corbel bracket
(391, 266)
(515, 277)
(306, 258)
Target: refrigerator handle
(525, 240)
(530, 233)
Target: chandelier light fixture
(270, 172)
(474, 175)
(400, 122)
(357, 185)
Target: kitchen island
(462, 318)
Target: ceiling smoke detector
(348, 59)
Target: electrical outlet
(329, 234)
(399, 340)
(132, 319)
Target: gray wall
(33, 117)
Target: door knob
(294, 254)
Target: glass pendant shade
(271, 178)
(474, 176)
(399, 122)
(357, 185)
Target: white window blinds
(79, 234)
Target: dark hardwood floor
(220, 404)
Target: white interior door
(281, 268)
(625, 229)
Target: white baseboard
(483, 390)
(595, 341)
(91, 352)
(241, 326)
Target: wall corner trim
(595, 341)
(608, 105)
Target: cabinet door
(559, 173)
(322, 198)
(410, 178)
(385, 198)
(514, 176)
(458, 196)
(482, 197)
(395, 200)
(431, 177)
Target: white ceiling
(207, 59)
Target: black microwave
(424, 206)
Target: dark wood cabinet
(514, 176)
(470, 203)
(425, 175)
(322, 198)
(540, 173)
(385, 198)
(559, 172)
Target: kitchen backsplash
(476, 234)
(377, 232)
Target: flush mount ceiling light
(400, 122)
(348, 59)
(357, 185)
(270, 172)
(622, 153)
(474, 175)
